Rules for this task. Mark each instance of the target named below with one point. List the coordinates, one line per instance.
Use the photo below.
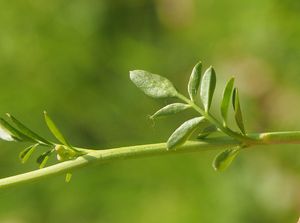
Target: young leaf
(26, 153)
(170, 109)
(182, 133)
(27, 132)
(153, 85)
(207, 131)
(68, 177)
(208, 86)
(54, 130)
(226, 100)
(194, 81)
(42, 159)
(237, 110)
(225, 158)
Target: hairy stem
(101, 156)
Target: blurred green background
(72, 59)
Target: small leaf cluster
(14, 130)
(201, 90)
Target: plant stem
(280, 137)
(214, 121)
(129, 152)
(100, 156)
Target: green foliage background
(72, 59)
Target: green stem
(214, 121)
(129, 152)
(280, 137)
(100, 156)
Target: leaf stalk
(242, 138)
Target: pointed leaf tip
(194, 81)
(153, 85)
(207, 88)
(54, 130)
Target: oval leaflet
(225, 158)
(226, 100)
(194, 81)
(170, 109)
(237, 110)
(153, 85)
(208, 86)
(183, 132)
